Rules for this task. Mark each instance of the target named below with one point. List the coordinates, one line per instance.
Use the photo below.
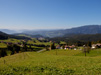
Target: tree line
(16, 48)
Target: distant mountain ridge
(45, 33)
(6, 36)
(8, 31)
(89, 29)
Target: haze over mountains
(89, 29)
(8, 31)
(7, 36)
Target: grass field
(55, 62)
(2, 45)
(11, 40)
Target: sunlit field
(54, 62)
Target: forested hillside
(78, 38)
(6, 36)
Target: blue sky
(49, 14)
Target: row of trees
(3, 52)
(15, 48)
(10, 48)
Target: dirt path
(41, 50)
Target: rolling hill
(28, 35)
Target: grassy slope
(48, 63)
(11, 40)
(96, 52)
(2, 45)
(63, 52)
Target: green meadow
(54, 62)
(11, 40)
(33, 41)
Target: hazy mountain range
(88, 29)
(6, 36)
(8, 31)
